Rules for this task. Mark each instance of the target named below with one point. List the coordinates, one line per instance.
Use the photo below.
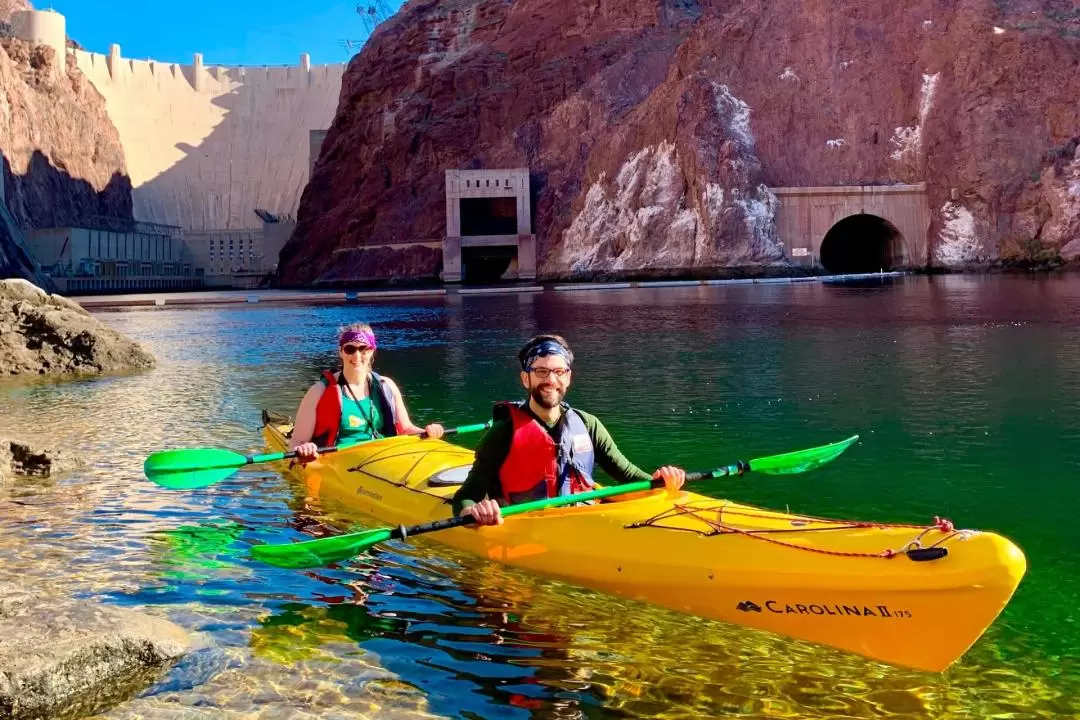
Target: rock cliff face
(62, 159)
(653, 128)
(9, 6)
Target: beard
(547, 396)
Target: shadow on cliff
(47, 196)
(216, 150)
(254, 157)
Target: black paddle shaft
(401, 532)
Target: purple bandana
(360, 337)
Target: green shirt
(358, 419)
(483, 478)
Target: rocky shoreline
(62, 657)
(66, 658)
(48, 334)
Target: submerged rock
(23, 459)
(44, 334)
(66, 658)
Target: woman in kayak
(353, 404)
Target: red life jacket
(536, 467)
(328, 411)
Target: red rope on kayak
(719, 527)
(759, 536)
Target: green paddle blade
(323, 551)
(190, 468)
(800, 460)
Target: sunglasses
(353, 349)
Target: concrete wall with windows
(95, 252)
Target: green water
(965, 392)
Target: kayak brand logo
(880, 611)
(370, 493)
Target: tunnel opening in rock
(861, 244)
(487, 265)
(488, 216)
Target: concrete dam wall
(207, 145)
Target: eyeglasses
(545, 373)
(353, 349)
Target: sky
(226, 32)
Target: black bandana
(543, 349)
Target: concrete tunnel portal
(860, 244)
(853, 228)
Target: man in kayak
(353, 404)
(542, 447)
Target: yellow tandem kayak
(847, 584)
